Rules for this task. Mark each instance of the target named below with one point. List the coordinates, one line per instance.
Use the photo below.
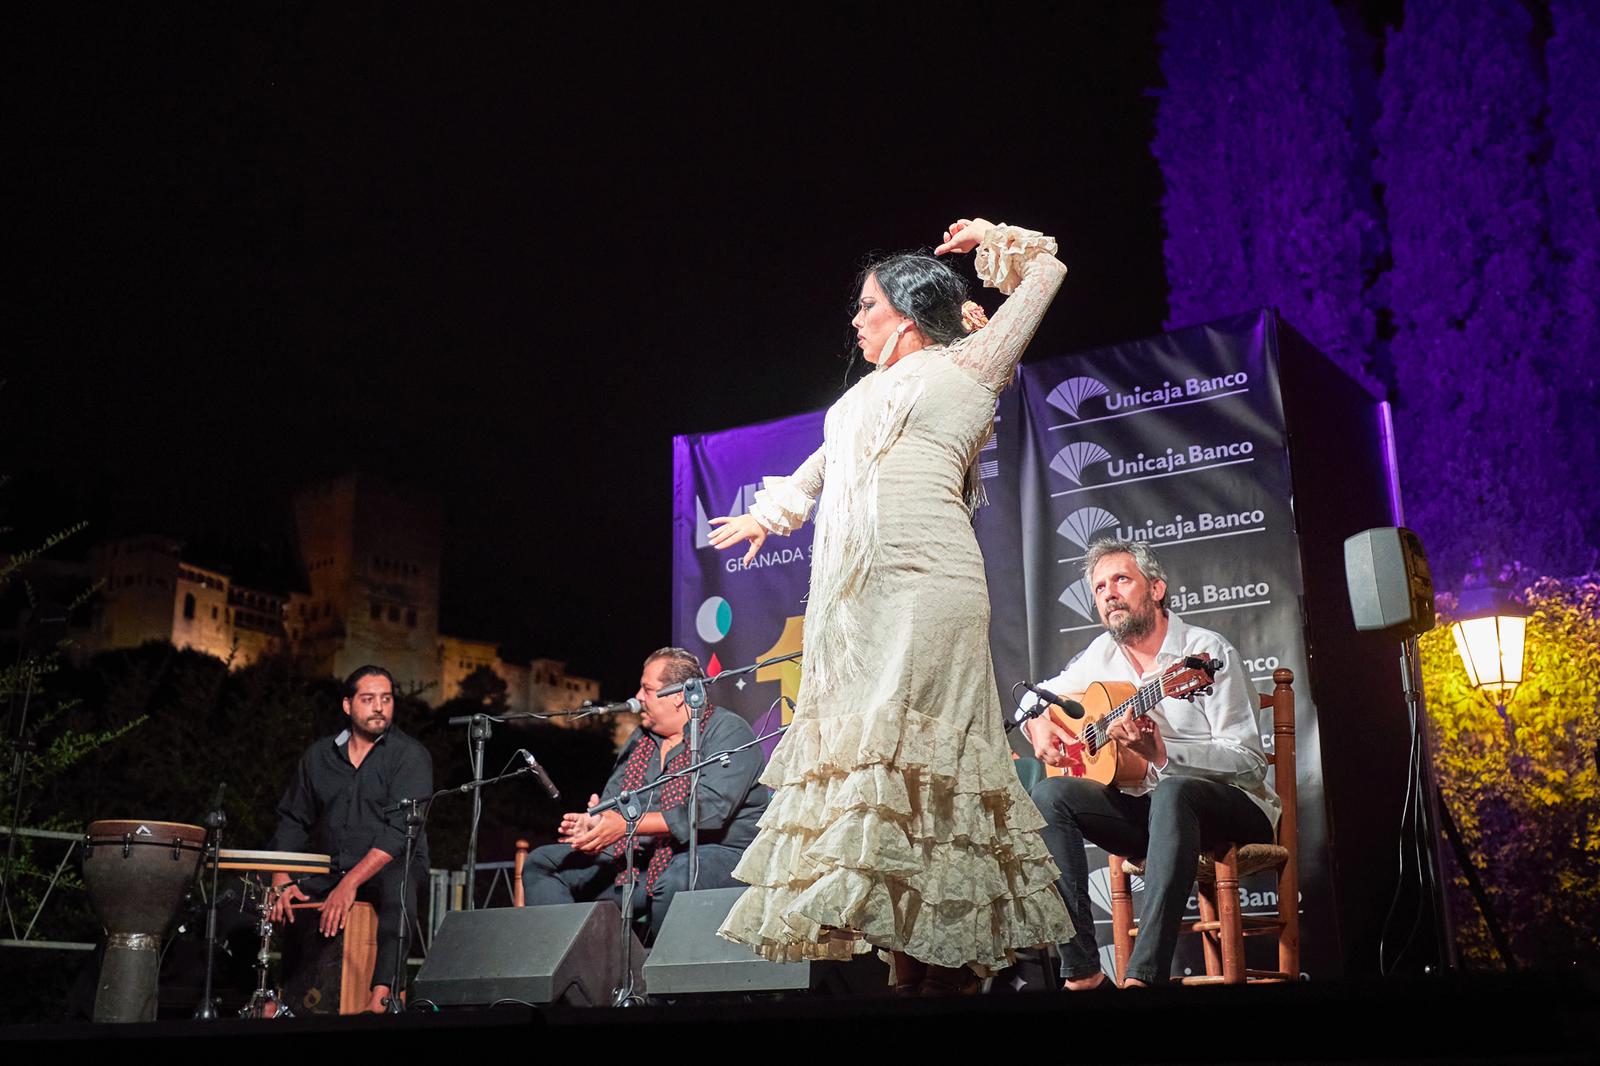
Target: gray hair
(1143, 558)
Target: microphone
(538, 771)
(629, 704)
(1071, 708)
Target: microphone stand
(694, 695)
(216, 820)
(628, 804)
(393, 1004)
(416, 809)
(481, 728)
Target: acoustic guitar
(1105, 703)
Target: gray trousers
(1170, 826)
(556, 873)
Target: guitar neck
(1138, 704)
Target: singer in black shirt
(589, 862)
(338, 803)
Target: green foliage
(1525, 790)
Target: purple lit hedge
(1486, 146)
(1263, 197)
(1572, 183)
(1483, 456)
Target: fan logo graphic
(1071, 461)
(1100, 887)
(1083, 526)
(713, 620)
(738, 505)
(1074, 393)
(1079, 598)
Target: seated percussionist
(339, 803)
(588, 864)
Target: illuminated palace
(370, 554)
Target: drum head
(290, 862)
(167, 833)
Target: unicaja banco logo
(1073, 394)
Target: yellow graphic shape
(788, 674)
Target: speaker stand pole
(1428, 809)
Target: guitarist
(1207, 780)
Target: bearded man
(1207, 780)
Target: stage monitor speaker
(566, 953)
(1390, 586)
(689, 957)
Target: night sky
(504, 256)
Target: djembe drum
(138, 874)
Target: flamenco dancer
(898, 821)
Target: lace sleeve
(784, 503)
(1022, 264)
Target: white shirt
(1213, 736)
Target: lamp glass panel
(1491, 650)
(1513, 640)
(1464, 649)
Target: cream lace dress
(898, 820)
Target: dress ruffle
(780, 506)
(1000, 261)
(912, 844)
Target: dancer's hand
(964, 235)
(734, 528)
(1054, 745)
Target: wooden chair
(517, 898)
(1222, 926)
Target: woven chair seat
(1253, 858)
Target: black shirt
(731, 800)
(331, 806)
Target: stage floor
(1541, 1017)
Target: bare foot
(1086, 984)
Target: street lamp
(1491, 635)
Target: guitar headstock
(1190, 678)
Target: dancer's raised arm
(1022, 264)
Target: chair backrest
(1281, 702)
